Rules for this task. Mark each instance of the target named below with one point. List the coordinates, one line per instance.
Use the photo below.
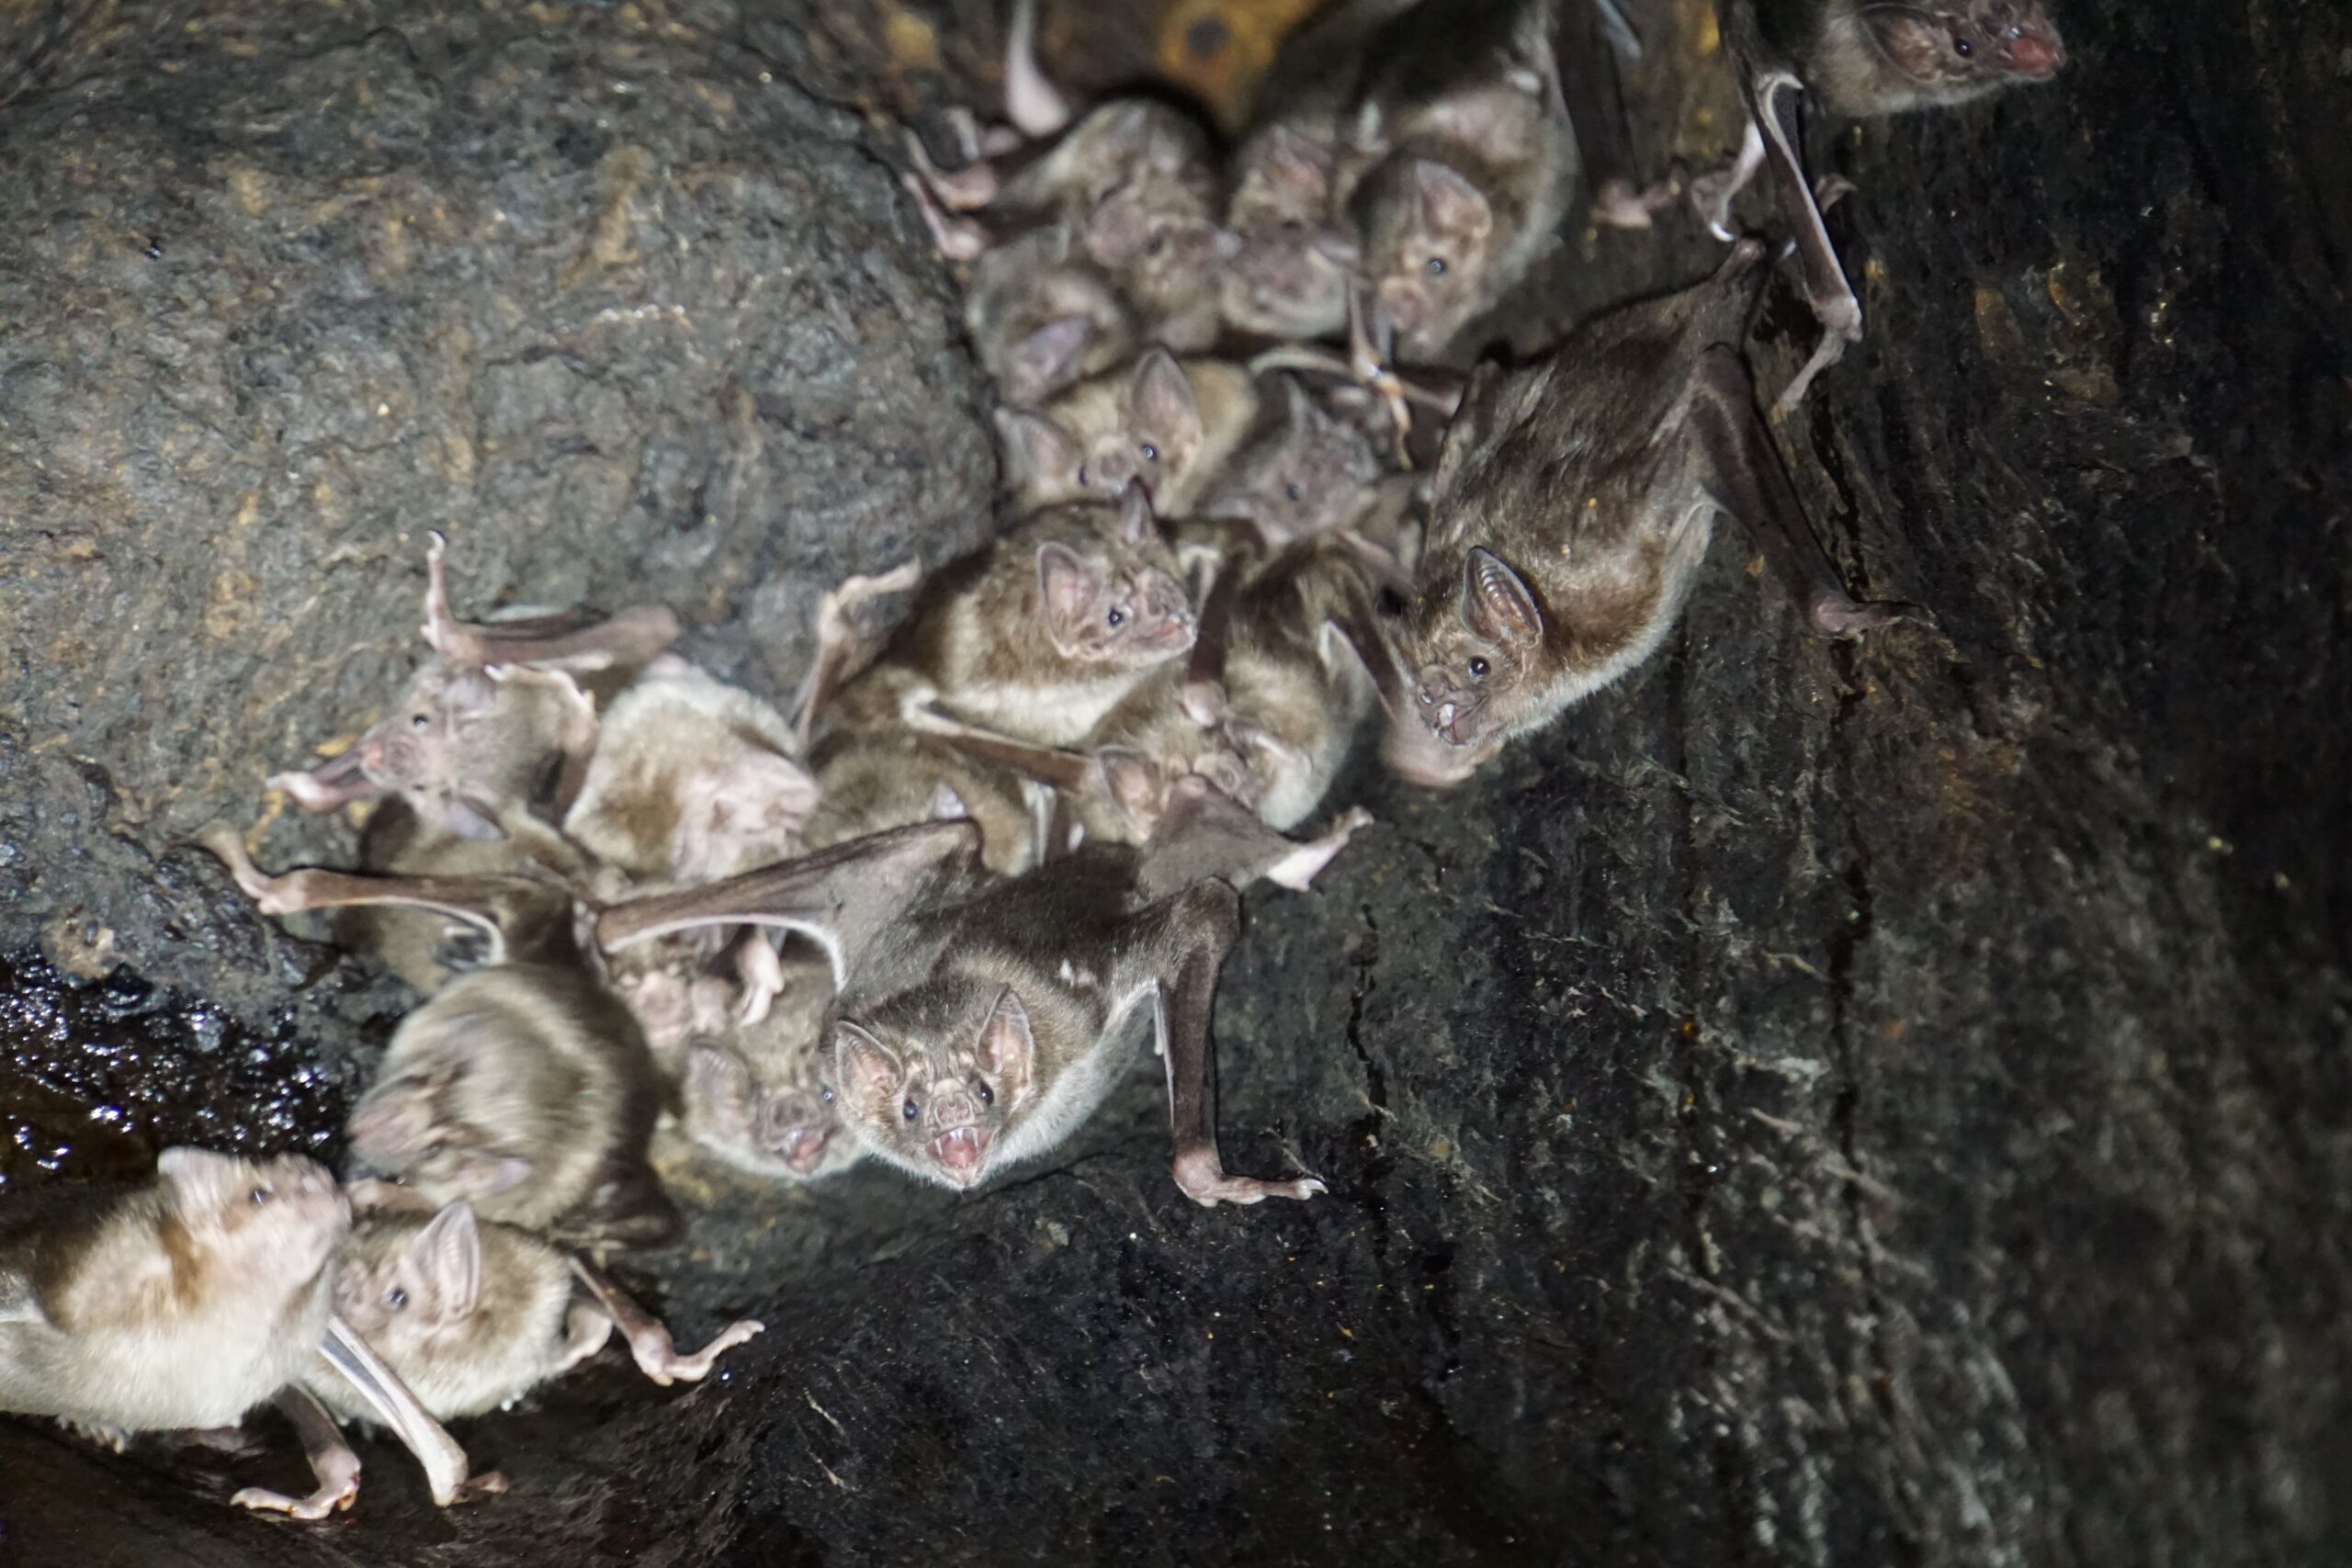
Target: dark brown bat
(1295, 251)
(184, 1302)
(1856, 59)
(1469, 162)
(472, 1314)
(493, 722)
(978, 1018)
(525, 1086)
(1573, 504)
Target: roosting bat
(979, 1020)
(482, 725)
(186, 1301)
(1860, 57)
(1573, 504)
(472, 1314)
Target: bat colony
(926, 915)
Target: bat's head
(1472, 655)
(1957, 50)
(1168, 257)
(1111, 596)
(777, 1118)
(1311, 471)
(1070, 324)
(403, 1126)
(433, 746)
(267, 1223)
(1428, 240)
(938, 1102)
(1288, 277)
(411, 1289)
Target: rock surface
(1818, 1106)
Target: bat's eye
(1292, 491)
(909, 1110)
(1479, 668)
(1159, 242)
(1436, 268)
(1116, 618)
(1150, 453)
(419, 722)
(987, 1095)
(260, 1195)
(396, 1298)
(433, 1151)
(826, 1094)
(1962, 48)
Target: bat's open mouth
(802, 1148)
(2030, 52)
(959, 1151)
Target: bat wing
(842, 897)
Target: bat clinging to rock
(1573, 504)
(491, 723)
(979, 1020)
(472, 1314)
(525, 1086)
(1859, 59)
(184, 1302)
(1166, 425)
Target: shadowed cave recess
(1818, 1103)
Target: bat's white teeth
(1446, 714)
(960, 1150)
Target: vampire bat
(494, 722)
(186, 1301)
(1469, 162)
(1302, 470)
(426, 948)
(979, 1020)
(472, 1315)
(1042, 316)
(1133, 184)
(1037, 636)
(693, 780)
(525, 1086)
(1858, 59)
(1164, 423)
(758, 1095)
(1573, 504)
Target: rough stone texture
(287, 286)
(1818, 1106)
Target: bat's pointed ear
(1067, 586)
(718, 1081)
(1299, 161)
(1049, 356)
(868, 1070)
(1496, 604)
(1008, 1047)
(446, 1254)
(1160, 400)
(1134, 782)
(1449, 203)
(1137, 522)
(1037, 451)
(197, 1181)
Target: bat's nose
(2032, 51)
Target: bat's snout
(2031, 51)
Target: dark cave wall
(1816, 1106)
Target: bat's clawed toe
(1203, 1179)
(1836, 615)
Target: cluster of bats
(919, 915)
